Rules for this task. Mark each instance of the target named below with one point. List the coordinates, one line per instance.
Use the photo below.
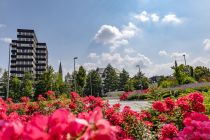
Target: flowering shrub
(86, 118)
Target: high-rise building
(27, 54)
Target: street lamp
(7, 96)
(74, 74)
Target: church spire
(60, 71)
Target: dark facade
(27, 54)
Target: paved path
(135, 105)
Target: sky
(124, 33)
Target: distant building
(27, 54)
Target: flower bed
(93, 118)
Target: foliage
(4, 79)
(129, 85)
(81, 79)
(45, 82)
(93, 84)
(92, 118)
(123, 80)
(111, 80)
(15, 88)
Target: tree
(111, 80)
(123, 79)
(202, 73)
(129, 86)
(4, 79)
(68, 82)
(15, 88)
(27, 85)
(81, 79)
(58, 86)
(140, 83)
(93, 84)
(45, 82)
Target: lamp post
(7, 96)
(184, 60)
(91, 88)
(75, 88)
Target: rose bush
(90, 117)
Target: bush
(188, 80)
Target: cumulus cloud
(206, 44)
(176, 55)
(179, 54)
(154, 17)
(120, 60)
(114, 37)
(143, 16)
(162, 53)
(129, 50)
(6, 40)
(93, 56)
(171, 19)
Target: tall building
(27, 54)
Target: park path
(135, 105)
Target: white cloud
(129, 50)
(114, 37)
(155, 17)
(162, 53)
(179, 54)
(143, 16)
(206, 44)
(176, 55)
(171, 19)
(89, 66)
(2, 25)
(120, 61)
(93, 56)
(6, 40)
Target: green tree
(111, 80)
(69, 82)
(123, 79)
(129, 86)
(81, 79)
(140, 82)
(202, 73)
(58, 86)
(27, 85)
(15, 88)
(93, 84)
(45, 82)
(4, 84)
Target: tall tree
(111, 80)
(4, 79)
(69, 82)
(27, 85)
(123, 79)
(81, 79)
(45, 82)
(15, 88)
(93, 84)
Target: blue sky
(152, 33)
